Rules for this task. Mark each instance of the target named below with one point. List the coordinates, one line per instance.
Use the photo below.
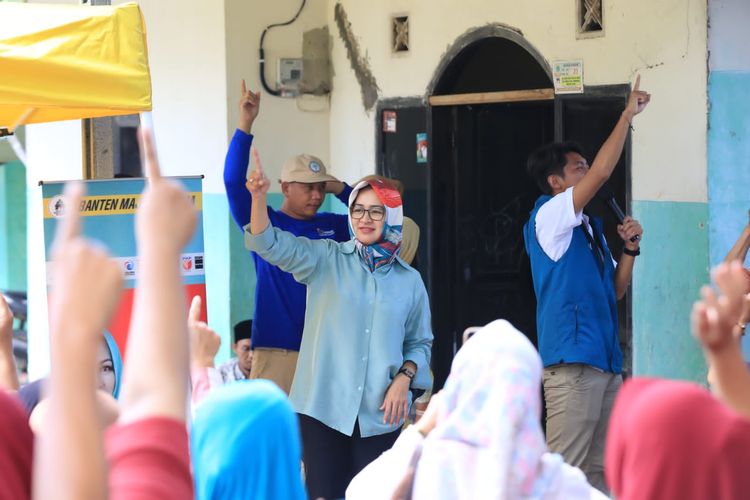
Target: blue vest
(576, 305)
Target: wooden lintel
(493, 97)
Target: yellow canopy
(63, 62)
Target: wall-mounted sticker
(389, 121)
(422, 147)
(568, 76)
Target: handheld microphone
(608, 197)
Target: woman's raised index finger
(637, 85)
(256, 159)
(243, 87)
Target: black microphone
(608, 197)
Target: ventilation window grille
(400, 34)
(590, 18)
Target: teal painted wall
(667, 278)
(728, 162)
(13, 226)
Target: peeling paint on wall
(361, 66)
(316, 58)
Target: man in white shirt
(577, 284)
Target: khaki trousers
(276, 365)
(579, 401)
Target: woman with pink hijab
(672, 439)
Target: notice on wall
(568, 76)
(421, 147)
(389, 121)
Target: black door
(481, 199)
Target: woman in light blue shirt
(367, 336)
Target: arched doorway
(481, 194)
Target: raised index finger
(637, 85)
(148, 154)
(70, 225)
(243, 87)
(256, 159)
(194, 315)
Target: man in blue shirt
(280, 308)
(577, 285)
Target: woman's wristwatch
(408, 372)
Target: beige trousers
(579, 401)
(276, 365)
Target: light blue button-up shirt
(360, 327)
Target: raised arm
(238, 155)
(8, 374)
(609, 154)
(157, 371)
(715, 319)
(297, 255)
(69, 451)
(340, 190)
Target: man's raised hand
(637, 101)
(249, 108)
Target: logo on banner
(57, 206)
(129, 266)
(198, 262)
(187, 262)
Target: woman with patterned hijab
(367, 336)
(480, 436)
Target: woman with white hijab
(481, 436)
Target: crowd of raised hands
(70, 457)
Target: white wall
(664, 41)
(54, 152)
(282, 129)
(186, 44)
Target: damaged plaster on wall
(360, 64)
(316, 60)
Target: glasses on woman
(376, 213)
